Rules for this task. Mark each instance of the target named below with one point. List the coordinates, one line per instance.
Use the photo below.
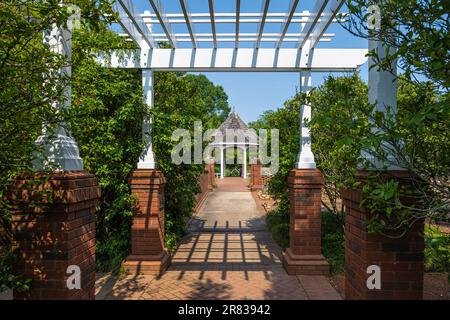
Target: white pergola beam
(262, 22)
(206, 16)
(190, 26)
(162, 18)
(312, 20)
(292, 7)
(242, 59)
(232, 20)
(241, 39)
(133, 24)
(322, 26)
(213, 22)
(238, 14)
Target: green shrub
(277, 222)
(437, 250)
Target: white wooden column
(305, 159)
(382, 93)
(222, 160)
(60, 149)
(245, 163)
(147, 158)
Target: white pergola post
(244, 175)
(305, 159)
(60, 149)
(147, 158)
(222, 160)
(382, 93)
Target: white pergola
(286, 50)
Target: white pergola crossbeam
(242, 59)
(321, 27)
(292, 6)
(312, 20)
(262, 22)
(238, 13)
(213, 22)
(190, 26)
(162, 18)
(133, 24)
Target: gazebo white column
(147, 158)
(60, 149)
(222, 159)
(244, 169)
(305, 159)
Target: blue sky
(251, 93)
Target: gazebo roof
(233, 124)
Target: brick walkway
(228, 255)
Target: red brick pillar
(304, 254)
(55, 235)
(148, 253)
(255, 175)
(401, 260)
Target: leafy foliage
(417, 138)
(437, 250)
(286, 120)
(277, 222)
(106, 117)
(30, 87)
(338, 122)
(333, 238)
(180, 100)
(417, 30)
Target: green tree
(417, 30)
(180, 100)
(339, 119)
(26, 100)
(417, 137)
(106, 119)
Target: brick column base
(255, 176)
(55, 235)
(401, 260)
(148, 254)
(304, 255)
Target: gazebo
(234, 132)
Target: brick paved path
(228, 255)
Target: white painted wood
(305, 159)
(312, 20)
(147, 158)
(329, 14)
(222, 160)
(189, 25)
(162, 18)
(382, 93)
(242, 59)
(60, 148)
(133, 24)
(292, 6)
(244, 174)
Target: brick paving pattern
(229, 254)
